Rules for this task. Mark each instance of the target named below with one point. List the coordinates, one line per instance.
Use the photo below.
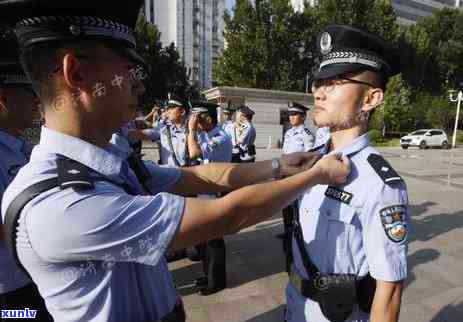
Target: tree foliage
(167, 72)
(270, 46)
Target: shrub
(374, 136)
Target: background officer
(244, 136)
(18, 109)
(208, 142)
(108, 264)
(171, 134)
(297, 139)
(227, 124)
(357, 230)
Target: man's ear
(374, 97)
(72, 71)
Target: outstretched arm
(207, 219)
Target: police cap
(296, 108)
(204, 107)
(345, 49)
(246, 110)
(11, 72)
(43, 21)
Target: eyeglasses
(329, 85)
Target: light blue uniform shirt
(349, 237)
(298, 139)
(121, 143)
(179, 143)
(215, 145)
(244, 137)
(228, 127)
(15, 154)
(97, 255)
(322, 136)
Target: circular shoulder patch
(326, 43)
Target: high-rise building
(196, 28)
(411, 11)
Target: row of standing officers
(91, 225)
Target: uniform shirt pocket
(340, 236)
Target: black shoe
(210, 290)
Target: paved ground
(434, 289)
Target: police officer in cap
(244, 136)
(229, 113)
(350, 240)
(297, 139)
(19, 106)
(171, 134)
(108, 264)
(208, 142)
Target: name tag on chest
(338, 194)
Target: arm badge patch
(394, 223)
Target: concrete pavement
(434, 288)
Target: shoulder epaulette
(72, 174)
(384, 169)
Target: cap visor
(337, 70)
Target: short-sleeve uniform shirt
(215, 145)
(97, 254)
(354, 228)
(298, 139)
(179, 143)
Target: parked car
(425, 138)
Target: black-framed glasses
(329, 84)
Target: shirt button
(328, 212)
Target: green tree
(263, 47)
(394, 115)
(167, 72)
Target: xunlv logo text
(18, 314)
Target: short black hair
(41, 60)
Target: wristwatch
(276, 168)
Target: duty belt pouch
(336, 294)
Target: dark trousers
(25, 297)
(213, 254)
(288, 217)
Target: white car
(425, 138)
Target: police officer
(350, 237)
(108, 263)
(208, 142)
(172, 134)
(297, 139)
(244, 136)
(18, 109)
(228, 124)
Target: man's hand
(193, 123)
(293, 163)
(333, 169)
